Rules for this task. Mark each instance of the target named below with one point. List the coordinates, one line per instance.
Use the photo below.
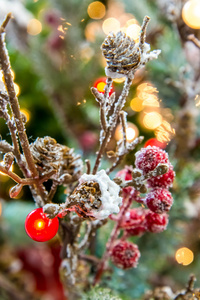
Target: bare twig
(88, 165)
(194, 39)
(9, 84)
(119, 157)
(123, 122)
(26, 181)
(114, 234)
(143, 33)
(112, 122)
(6, 147)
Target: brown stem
(52, 191)
(112, 122)
(143, 33)
(114, 235)
(192, 38)
(9, 84)
(26, 181)
(14, 104)
(88, 165)
(6, 147)
(123, 122)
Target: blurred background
(55, 54)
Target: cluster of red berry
(158, 200)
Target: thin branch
(6, 147)
(9, 84)
(26, 181)
(6, 21)
(143, 33)
(123, 122)
(120, 157)
(112, 122)
(114, 234)
(88, 165)
(194, 40)
(53, 190)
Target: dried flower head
(49, 155)
(124, 56)
(96, 196)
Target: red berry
(134, 221)
(39, 227)
(125, 174)
(159, 200)
(156, 223)
(163, 181)
(125, 255)
(148, 158)
(100, 84)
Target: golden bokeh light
(119, 80)
(11, 168)
(26, 113)
(96, 10)
(191, 14)
(101, 86)
(136, 104)
(197, 100)
(164, 132)
(150, 100)
(133, 31)
(111, 24)
(131, 22)
(92, 30)
(147, 87)
(34, 27)
(131, 132)
(184, 256)
(0, 209)
(152, 120)
(13, 74)
(17, 89)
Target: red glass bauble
(155, 142)
(100, 84)
(39, 227)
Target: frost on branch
(97, 196)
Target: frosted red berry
(39, 227)
(156, 222)
(148, 158)
(134, 222)
(125, 174)
(159, 200)
(125, 255)
(163, 181)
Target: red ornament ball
(163, 181)
(125, 255)
(159, 200)
(156, 223)
(40, 228)
(155, 142)
(100, 84)
(148, 158)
